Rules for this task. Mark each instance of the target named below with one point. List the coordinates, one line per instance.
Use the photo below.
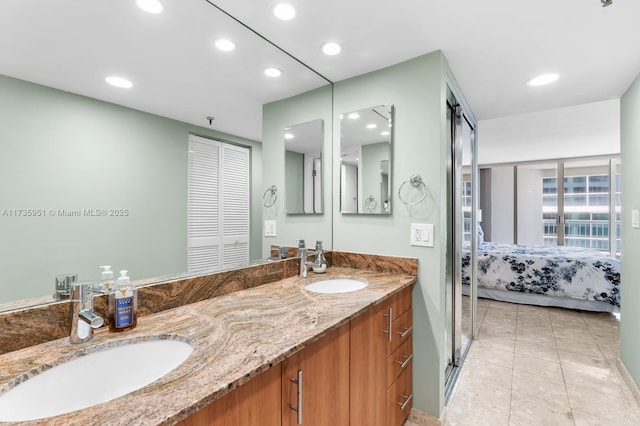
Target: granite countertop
(235, 337)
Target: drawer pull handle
(407, 399)
(404, 363)
(390, 316)
(298, 409)
(406, 331)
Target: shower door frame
(458, 114)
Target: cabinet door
(368, 391)
(256, 403)
(321, 373)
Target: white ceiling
(577, 131)
(493, 47)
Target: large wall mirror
(365, 160)
(91, 174)
(303, 167)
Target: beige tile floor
(542, 366)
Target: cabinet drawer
(400, 399)
(400, 360)
(401, 329)
(401, 302)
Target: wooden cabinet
(256, 403)
(358, 375)
(381, 359)
(315, 382)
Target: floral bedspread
(553, 271)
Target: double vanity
(290, 351)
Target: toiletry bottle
(320, 259)
(107, 281)
(123, 305)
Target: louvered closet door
(235, 201)
(218, 205)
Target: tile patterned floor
(542, 366)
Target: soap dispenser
(320, 266)
(107, 280)
(123, 305)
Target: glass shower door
(460, 289)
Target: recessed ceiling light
(225, 45)
(289, 136)
(371, 126)
(150, 6)
(284, 11)
(331, 48)
(385, 133)
(119, 82)
(543, 79)
(272, 72)
(353, 116)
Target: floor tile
(537, 351)
(493, 355)
(606, 417)
(547, 369)
(494, 342)
(539, 387)
(527, 410)
(543, 366)
(582, 359)
(486, 395)
(482, 372)
(464, 413)
(535, 339)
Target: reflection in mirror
(303, 167)
(91, 174)
(365, 160)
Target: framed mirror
(365, 160)
(303, 167)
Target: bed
(569, 277)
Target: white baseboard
(424, 419)
(629, 381)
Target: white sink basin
(336, 285)
(92, 379)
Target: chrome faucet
(303, 254)
(83, 319)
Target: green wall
(309, 106)
(417, 89)
(630, 292)
(294, 183)
(64, 151)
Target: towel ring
(273, 190)
(416, 182)
(370, 204)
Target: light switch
(270, 228)
(421, 234)
(635, 219)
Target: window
(559, 202)
(587, 218)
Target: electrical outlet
(635, 219)
(270, 228)
(421, 234)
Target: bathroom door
(349, 189)
(460, 290)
